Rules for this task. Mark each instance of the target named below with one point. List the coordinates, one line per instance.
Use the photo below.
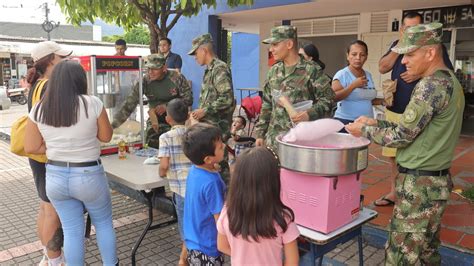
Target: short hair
(199, 141)
(244, 121)
(209, 46)
(177, 110)
(412, 14)
(166, 39)
(121, 42)
(358, 42)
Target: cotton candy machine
(320, 180)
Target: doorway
(464, 69)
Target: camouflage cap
(418, 36)
(155, 60)
(281, 33)
(198, 41)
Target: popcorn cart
(111, 79)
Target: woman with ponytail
(45, 57)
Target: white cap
(43, 49)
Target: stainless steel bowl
(324, 160)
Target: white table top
(132, 173)
(320, 238)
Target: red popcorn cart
(112, 79)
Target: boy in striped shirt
(174, 165)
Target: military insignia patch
(410, 115)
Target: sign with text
(116, 63)
(451, 17)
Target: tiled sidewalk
(18, 205)
(458, 220)
(19, 244)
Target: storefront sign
(451, 17)
(117, 63)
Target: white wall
(332, 51)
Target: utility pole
(48, 25)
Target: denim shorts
(178, 202)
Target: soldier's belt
(403, 170)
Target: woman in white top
(68, 125)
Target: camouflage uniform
(217, 97)
(425, 138)
(177, 87)
(306, 81)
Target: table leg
(149, 226)
(361, 255)
(148, 197)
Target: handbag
(18, 131)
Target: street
(7, 117)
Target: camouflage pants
(152, 138)
(416, 220)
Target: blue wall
(245, 60)
(188, 28)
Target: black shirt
(402, 95)
(174, 61)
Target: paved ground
(18, 207)
(7, 117)
(458, 220)
(19, 244)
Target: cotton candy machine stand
(320, 181)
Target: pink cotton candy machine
(320, 180)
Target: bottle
(130, 147)
(122, 149)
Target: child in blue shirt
(202, 144)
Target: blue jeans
(178, 203)
(70, 190)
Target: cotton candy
(313, 130)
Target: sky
(32, 11)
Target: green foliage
(137, 35)
(469, 193)
(159, 16)
(131, 13)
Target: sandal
(385, 202)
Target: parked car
(18, 95)
(4, 100)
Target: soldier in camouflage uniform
(425, 138)
(160, 86)
(216, 101)
(295, 78)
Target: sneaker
(59, 261)
(44, 261)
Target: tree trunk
(156, 34)
(154, 40)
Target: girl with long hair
(255, 227)
(46, 55)
(68, 125)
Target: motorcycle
(17, 95)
